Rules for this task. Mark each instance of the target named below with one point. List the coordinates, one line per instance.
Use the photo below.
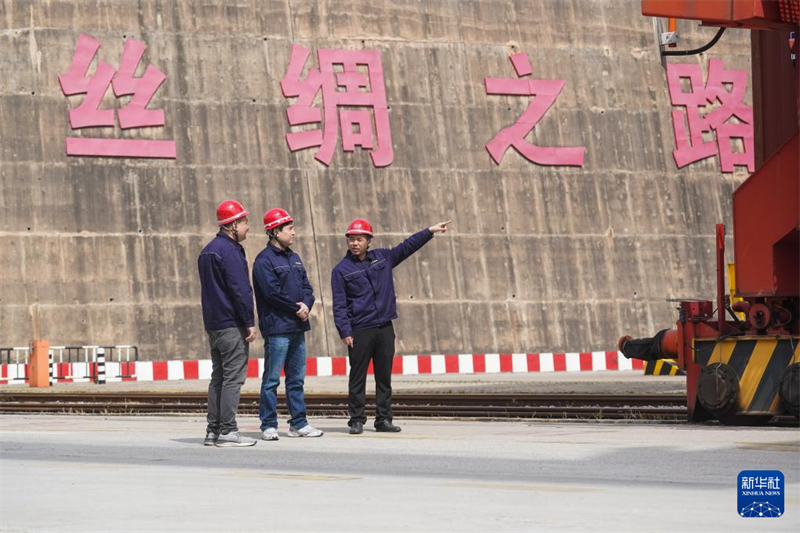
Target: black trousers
(376, 344)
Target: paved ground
(84, 473)
(580, 382)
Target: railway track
(491, 406)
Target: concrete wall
(540, 259)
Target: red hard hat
(276, 217)
(230, 210)
(359, 227)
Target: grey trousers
(229, 352)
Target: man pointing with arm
(364, 305)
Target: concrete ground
(92, 473)
(633, 381)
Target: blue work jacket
(363, 291)
(280, 281)
(225, 289)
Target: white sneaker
(307, 431)
(234, 439)
(211, 438)
(269, 434)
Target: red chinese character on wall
(133, 115)
(347, 95)
(704, 116)
(545, 93)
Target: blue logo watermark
(760, 493)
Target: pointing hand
(441, 227)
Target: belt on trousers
(378, 326)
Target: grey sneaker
(234, 439)
(210, 439)
(307, 431)
(269, 434)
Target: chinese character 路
(704, 118)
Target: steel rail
(544, 406)
(521, 399)
(635, 407)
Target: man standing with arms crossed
(228, 317)
(284, 297)
(364, 305)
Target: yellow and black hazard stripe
(663, 367)
(759, 363)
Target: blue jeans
(288, 352)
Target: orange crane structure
(747, 371)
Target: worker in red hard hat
(227, 299)
(284, 298)
(364, 305)
(231, 217)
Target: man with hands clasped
(284, 299)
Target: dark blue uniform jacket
(225, 285)
(363, 291)
(280, 281)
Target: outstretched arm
(405, 249)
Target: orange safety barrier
(39, 364)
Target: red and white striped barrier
(407, 365)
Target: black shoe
(356, 428)
(387, 427)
